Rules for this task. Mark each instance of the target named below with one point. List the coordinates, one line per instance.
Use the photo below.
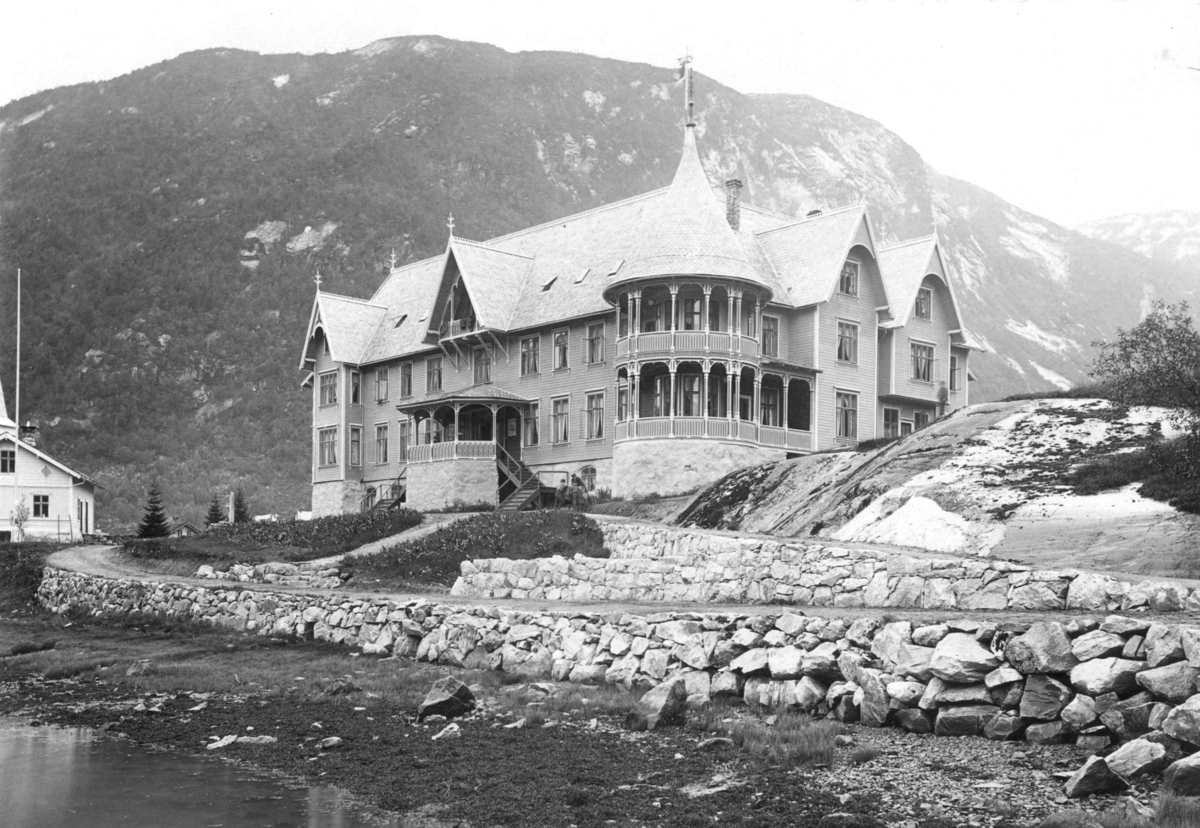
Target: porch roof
(485, 393)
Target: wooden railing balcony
(452, 450)
(687, 342)
(743, 431)
(459, 327)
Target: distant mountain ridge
(170, 223)
(1169, 236)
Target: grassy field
(253, 543)
(434, 559)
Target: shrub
(1166, 470)
(21, 567)
(877, 442)
(1085, 391)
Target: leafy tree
(154, 521)
(20, 516)
(216, 513)
(241, 512)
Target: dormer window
(924, 308)
(848, 282)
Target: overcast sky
(1074, 109)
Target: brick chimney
(733, 202)
(29, 433)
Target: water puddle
(71, 777)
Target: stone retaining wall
(657, 563)
(313, 575)
(1089, 681)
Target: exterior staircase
(526, 486)
(387, 495)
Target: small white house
(61, 502)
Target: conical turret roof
(687, 233)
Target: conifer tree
(154, 522)
(216, 514)
(241, 512)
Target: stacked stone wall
(1090, 681)
(656, 563)
(438, 485)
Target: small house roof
(11, 436)
(807, 255)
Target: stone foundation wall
(438, 485)
(670, 466)
(337, 497)
(657, 563)
(1090, 681)
(313, 575)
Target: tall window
(381, 444)
(924, 308)
(41, 506)
(622, 402)
(691, 314)
(529, 356)
(689, 393)
(483, 366)
(595, 343)
(329, 388)
(381, 381)
(662, 395)
(531, 425)
(770, 341)
(355, 446)
(891, 422)
(8, 461)
(595, 415)
(561, 424)
(406, 377)
(847, 415)
(327, 442)
(922, 362)
(770, 406)
(847, 347)
(714, 315)
(562, 347)
(402, 441)
(920, 419)
(355, 388)
(433, 375)
(848, 283)
(587, 476)
(955, 383)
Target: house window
(691, 314)
(562, 341)
(622, 403)
(381, 382)
(847, 346)
(770, 341)
(41, 506)
(595, 416)
(662, 396)
(327, 440)
(770, 406)
(595, 343)
(355, 386)
(689, 393)
(381, 445)
(561, 425)
(531, 425)
(891, 422)
(588, 476)
(714, 315)
(529, 356)
(920, 419)
(8, 461)
(848, 283)
(329, 388)
(922, 362)
(433, 375)
(955, 384)
(924, 309)
(402, 441)
(483, 366)
(847, 415)
(355, 446)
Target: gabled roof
(687, 231)
(494, 279)
(11, 436)
(807, 255)
(904, 267)
(349, 325)
(485, 392)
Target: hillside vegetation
(169, 223)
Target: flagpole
(18, 404)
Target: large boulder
(964, 720)
(447, 697)
(1044, 698)
(1095, 777)
(939, 693)
(1106, 675)
(1081, 712)
(960, 659)
(1173, 682)
(1097, 644)
(1184, 722)
(1003, 725)
(1045, 648)
(1141, 757)
(664, 703)
(913, 661)
(752, 662)
(1164, 644)
(784, 663)
(915, 721)
(1049, 733)
(889, 638)
(1130, 718)
(1183, 777)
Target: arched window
(588, 475)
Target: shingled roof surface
(560, 270)
(904, 267)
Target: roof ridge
(918, 240)
(824, 214)
(353, 299)
(746, 205)
(575, 216)
(490, 249)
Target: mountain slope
(1171, 237)
(170, 221)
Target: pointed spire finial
(317, 279)
(685, 73)
(393, 259)
(450, 223)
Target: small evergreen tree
(216, 514)
(241, 512)
(154, 522)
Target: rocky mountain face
(169, 223)
(1171, 237)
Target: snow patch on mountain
(1172, 235)
(1051, 342)
(33, 116)
(280, 80)
(379, 47)
(594, 99)
(1034, 241)
(1052, 377)
(1016, 366)
(311, 238)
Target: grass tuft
(1165, 470)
